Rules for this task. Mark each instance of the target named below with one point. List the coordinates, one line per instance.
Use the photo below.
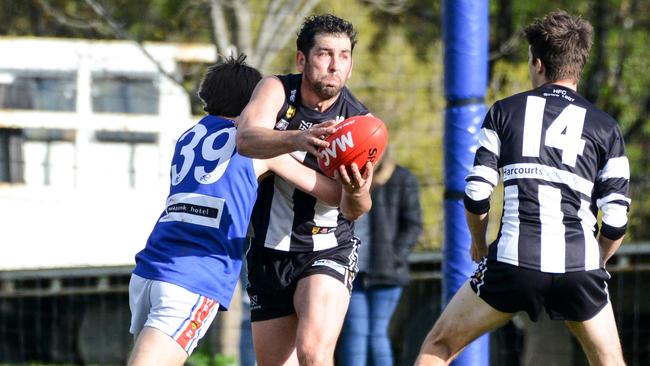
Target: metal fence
(81, 316)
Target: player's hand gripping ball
(358, 139)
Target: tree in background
(398, 68)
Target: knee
(315, 351)
(313, 355)
(438, 344)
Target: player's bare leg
(153, 347)
(465, 318)
(599, 338)
(321, 302)
(274, 341)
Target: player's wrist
(294, 140)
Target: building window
(124, 94)
(11, 155)
(38, 92)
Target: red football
(358, 139)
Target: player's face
(328, 65)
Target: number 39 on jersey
(199, 152)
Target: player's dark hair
(323, 24)
(227, 86)
(562, 41)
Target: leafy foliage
(399, 67)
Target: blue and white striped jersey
(561, 160)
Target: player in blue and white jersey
(561, 160)
(191, 262)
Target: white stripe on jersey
(534, 120)
(508, 245)
(489, 139)
(553, 243)
(278, 235)
(484, 172)
(325, 216)
(615, 168)
(611, 197)
(549, 174)
(478, 190)
(614, 215)
(592, 249)
(299, 155)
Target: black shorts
(274, 274)
(575, 296)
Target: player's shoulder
(513, 101)
(354, 105)
(596, 114)
(216, 122)
(270, 84)
(289, 76)
(289, 81)
(210, 124)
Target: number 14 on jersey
(564, 133)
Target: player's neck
(567, 83)
(229, 118)
(311, 100)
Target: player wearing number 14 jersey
(561, 160)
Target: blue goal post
(465, 33)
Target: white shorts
(175, 311)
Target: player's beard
(322, 89)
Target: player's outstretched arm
(306, 179)
(356, 190)
(256, 137)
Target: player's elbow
(244, 145)
(613, 233)
(477, 196)
(614, 221)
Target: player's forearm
(608, 247)
(264, 143)
(291, 169)
(477, 225)
(353, 205)
(327, 190)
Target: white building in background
(87, 130)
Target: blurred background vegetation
(398, 70)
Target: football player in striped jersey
(561, 160)
(302, 258)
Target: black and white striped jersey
(561, 160)
(285, 218)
